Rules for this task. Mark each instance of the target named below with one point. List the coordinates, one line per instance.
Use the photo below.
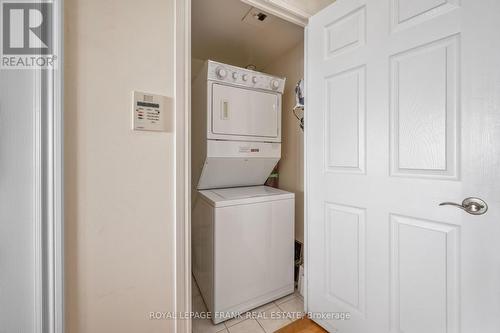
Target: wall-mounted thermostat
(152, 112)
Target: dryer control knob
(245, 77)
(254, 79)
(235, 75)
(275, 84)
(221, 72)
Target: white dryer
(236, 126)
(243, 241)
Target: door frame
(182, 181)
(53, 144)
(306, 176)
(182, 110)
(48, 243)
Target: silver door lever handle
(474, 206)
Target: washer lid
(243, 195)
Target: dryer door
(244, 113)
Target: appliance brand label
(248, 150)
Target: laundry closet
(247, 156)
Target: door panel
(424, 92)
(345, 265)
(406, 13)
(346, 33)
(243, 112)
(403, 114)
(345, 121)
(424, 275)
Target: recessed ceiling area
(221, 32)
(310, 7)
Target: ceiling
(310, 7)
(218, 33)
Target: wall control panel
(244, 77)
(152, 112)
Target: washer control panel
(244, 77)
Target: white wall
(291, 171)
(119, 215)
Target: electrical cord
(300, 119)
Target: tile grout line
(261, 326)
(288, 321)
(292, 297)
(227, 327)
(273, 303)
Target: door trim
(306, 177)
(49, 186)
(182, 87)
(57, 189)
(182, 95)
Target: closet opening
(247, 151)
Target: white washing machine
(242, 232)
(243, 240)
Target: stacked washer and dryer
(242, 231)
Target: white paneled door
(404, 114)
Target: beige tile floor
(265, 319)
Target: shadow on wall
(291, 173)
